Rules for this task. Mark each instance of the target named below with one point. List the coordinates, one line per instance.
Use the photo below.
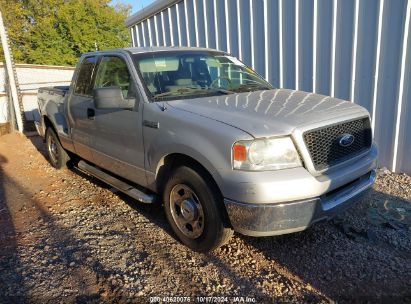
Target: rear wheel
(58, 157)
(192, 205)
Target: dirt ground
(67, 237)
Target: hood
(270, 112)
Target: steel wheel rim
(187, 211)
(52, 149)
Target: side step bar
(116, 183)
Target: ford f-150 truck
(216, 143)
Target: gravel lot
(67, 237)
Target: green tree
(58, 32)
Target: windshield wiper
(221, 90)
(250, 87)
(191, 90)
(165, 94)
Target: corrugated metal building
(359, 50)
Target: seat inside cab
(168, 74)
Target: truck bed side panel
(51, 105)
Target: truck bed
(51, 94)
(50, 99)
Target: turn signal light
(239, 152)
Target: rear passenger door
(117, 144)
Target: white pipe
(13, 87)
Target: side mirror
(111, 98)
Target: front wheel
(192, 205)
(58, 157)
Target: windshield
(190, 74)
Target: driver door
(118, 141)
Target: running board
(116, 183)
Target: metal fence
(30, 78)
(358, 50)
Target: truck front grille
(324, 144)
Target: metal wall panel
(199, 23)
(166, 27)
(174, 25)
(343, 48)
(220, 21)
(304, 38)
(402, 144)
(272, 42)
(358, 50)
(388, 77)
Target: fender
(57, 119)
(59, 123)
(188, 134)
(181, 149)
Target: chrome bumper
(282, 218)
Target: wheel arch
(55, 118)
(171, 161)
(48, 124)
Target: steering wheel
(214, 82)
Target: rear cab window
(84, 82)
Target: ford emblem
(346, 140)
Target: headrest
(183, 81)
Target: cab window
(85, 75)
(113, 72)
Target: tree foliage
(59, 31)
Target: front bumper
(282, 218)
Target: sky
(137, 4)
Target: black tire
(212, 232)
(58, 157)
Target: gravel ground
(67, 237)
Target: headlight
(265, 154)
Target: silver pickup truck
(217, 144)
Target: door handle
(151, 124)
(90, 113)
